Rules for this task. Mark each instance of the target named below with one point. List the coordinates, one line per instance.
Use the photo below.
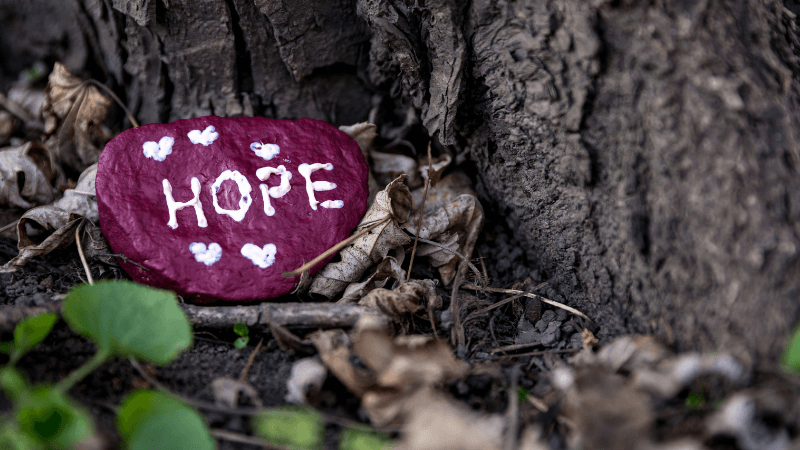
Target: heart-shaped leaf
(31, 332)
(127, 319)
(48, 416)
(149, 419)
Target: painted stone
(218, 208)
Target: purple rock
(219, 208)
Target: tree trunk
(646, 151)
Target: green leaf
(49, 417)
(128, 319)
(791, 353)
(296, 427)
(354, 439)
(31, 332)
(522, 394)
(241, 342)
(148, 419)
(241, 329)
(12, 383)
(12, 438)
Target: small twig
(208, 406)
(334, 249)
(526, 294)
(544, 352)
(483, 266)
(245, 439)
(116, 99)
(84, 192)
(512, 415)
(421, 213)
(511, 348)
(250, 360)
(126, 259)
(462, 257)
(455, 306)
(83, 258)
(15, 109)
(9, 226)
(538, 403)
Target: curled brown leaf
(391, 207)
(74, 112)
(27, 175)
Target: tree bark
(646, 151)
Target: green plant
(123, 319)
(243, 332)
(357, 439)
(791, 353)
(296, 427)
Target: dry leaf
(436, 422)
(438, 166)
(391, 206)
(406, 363)
(76, 110)
(305, 381)
(29, 98)
(333, 347)
(364, 133)
(387, 269)
(231, 393)
(384, 371)
(388, 166)
(44, 229)
(406, 299)
(82, 199)
(7, 125)
(27, 175)
(462, 217)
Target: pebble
(218, 208)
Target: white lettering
(244, 189)
(275, 191)
(306, 170)
(174, 206)
(262, 257)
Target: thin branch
(9, 226)
(83, 258)
(511, 348)
(116, 99)
(421, 213)
(128, 260)
(462, 257)
(250, 360)
(245, 439)
(526, 294)
(334, 249)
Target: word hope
(245, 200)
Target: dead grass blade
(527, 294)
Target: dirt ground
(213, 355)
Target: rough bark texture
(647, 151)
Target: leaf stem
(81, 372)
(335, 249)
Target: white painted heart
(206, 137)
(262, 257)
(159, 150)
(207, 256)
(266, 151)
